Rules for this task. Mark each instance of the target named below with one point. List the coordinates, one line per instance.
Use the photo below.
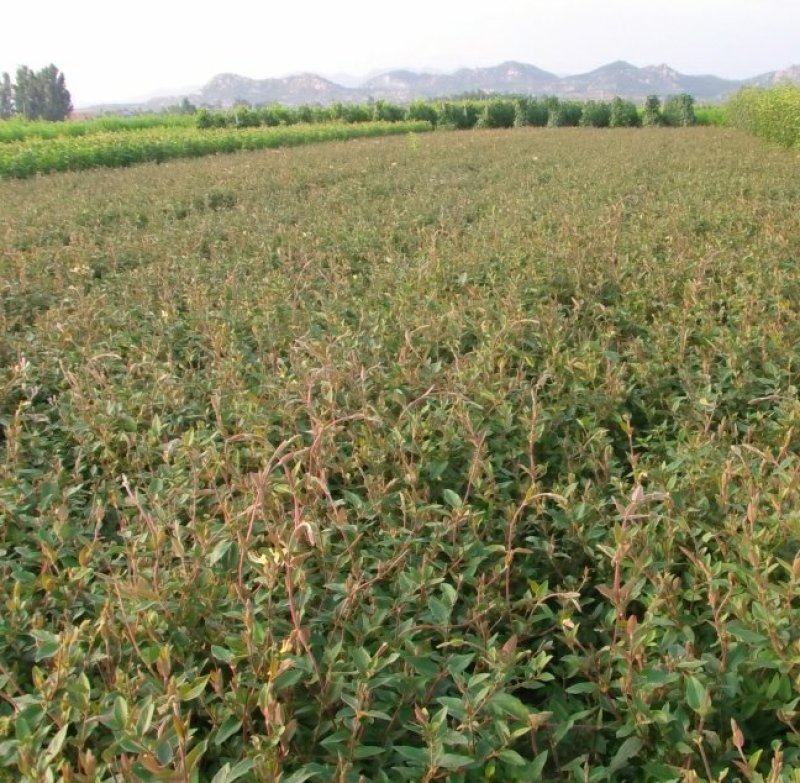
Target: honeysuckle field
(464, 456)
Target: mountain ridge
(618, 78)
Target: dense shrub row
(469, 113)
(772, 114)
(25, 159)
(17, 129)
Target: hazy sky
(118, 50)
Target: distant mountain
(791, 74)
(402, 86)
(509, 77)
(628, 81)
(227, 88)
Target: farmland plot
(443, 457)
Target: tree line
(506, 112)
(35, 95)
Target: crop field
(465, 456)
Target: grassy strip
(772, 114)
(711, 114)
(14, 130)
(113, 150)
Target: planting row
(18, 129)
(470, 113)
(25, 159)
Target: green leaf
(229, 727)
(131, 745)
(55, 745)
(439, 611)
(240, 769)
(420, 756)
(337, 738)
(697, 696)
(449, 594)
(192, 690)
(22, 729)
(145, 718)
(223, 774)
(367, 751)
(537, 767)
(219, 551)
(451, 498)
(300, 776)
(49, 644)
(583, 687)
(511, 757)
(195, 754)
(743, 634)
(164, 752)
(456, 664)
(362, 659)
(505, 702)
(46, 650)
(120, 712)
(228, 774)
(222, 654)
(453, 761)
(288, 678)
(627, 751)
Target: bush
(498, 114)
(205, 119)
(246, 118)
(652, 112)
(461, 115)
(421, 110)
(564, 114)
(351, 113)
(532, 112)
(624, 114)
(383, 111)
(679, 111)
(596, 114)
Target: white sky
(112, 50)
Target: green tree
(422, 110)
(27, 97)
(652, 111)
(42, 95)
(387, 112)
(679, 111)
(564, 114)
(56, 99)
(596, 114)
(498, 114)
(624, 114)
(6, 97)
(530, 111)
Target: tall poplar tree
(6, 97)
(42, 95)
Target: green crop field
(115, 149)
(461, 456)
